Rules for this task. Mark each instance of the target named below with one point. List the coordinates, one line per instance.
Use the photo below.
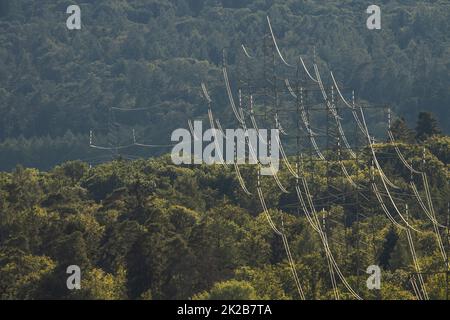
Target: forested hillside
(56, 85)
(151, 230)
(86, 178)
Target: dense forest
(142, 228)
(58, 84)
(147, 229)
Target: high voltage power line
(297, 82)
(335, 137)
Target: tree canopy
(147, 229)
(58, 84)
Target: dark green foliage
(401, 131)
(150, 230)
(427, 126)
(56, 84)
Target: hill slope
(56, 84)
(149, 229)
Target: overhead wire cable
(378, 167)
(276, 44)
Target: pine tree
(427, 126)
(401, 131)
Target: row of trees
(427, 127)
